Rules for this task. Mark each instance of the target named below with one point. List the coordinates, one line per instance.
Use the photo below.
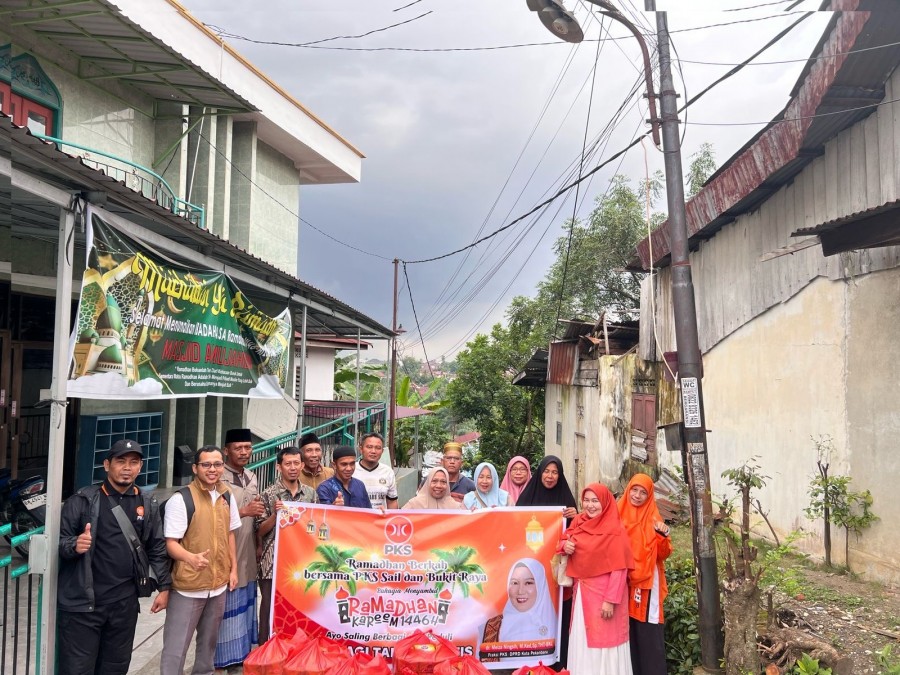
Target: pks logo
(398, 531)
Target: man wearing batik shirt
(314, 473)
(286, 488)
(378, 478)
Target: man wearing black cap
(238, 631)
(313, 474)
(342, 489)
(97, 594)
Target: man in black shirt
(98, 598)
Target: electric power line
(234, 36)
(289, 210)
(416, 317)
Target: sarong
(239, 628)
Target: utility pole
(690, 365)
(393, 394)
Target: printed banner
(480, 579)
(148, 328)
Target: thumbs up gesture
(199, 561)
(339, 499)
(83, 542)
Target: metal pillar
(392, 402)
(47, 551)
(690, 366)
(356, 403)
(301, 395)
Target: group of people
(615, 555)
(612, 615)
(210, 550)
(211, 553)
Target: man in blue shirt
(342, 489)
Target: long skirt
(238, 632)
(584, 660)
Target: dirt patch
(858, 618)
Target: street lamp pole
(690, 366)
(392, 401)
(690, 370)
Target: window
(27, 94)
(559, 433)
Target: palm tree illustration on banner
(333, 560)
(458, 563)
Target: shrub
(681, 629)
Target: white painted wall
(319, 373)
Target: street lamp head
(557, 19)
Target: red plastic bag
(269, 658)
(364, 664)
(539, 669)
(319, 656)
(419, 653)
(295, 642)
(461, 665)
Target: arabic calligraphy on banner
(148, 328)
(481, 580)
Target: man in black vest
(98, 597)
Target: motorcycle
(23, 504)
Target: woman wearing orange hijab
(599, 561)
(647, 581)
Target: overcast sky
(443, 132)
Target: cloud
(112, 386)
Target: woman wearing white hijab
(487, 493)
(529, 614)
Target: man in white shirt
(199, 528)
(379, 479)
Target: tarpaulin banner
(149, 328)
(481, 579)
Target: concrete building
(797, 278)
(136, 108)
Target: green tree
(510, 418)
(371, 377)
(702, 166)
(457, 561)
(333, 560)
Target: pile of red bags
(420, 653)
(461, 665)
(539, 669)
(364, 664)
(298, 655)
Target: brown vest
(209, 529)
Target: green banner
(149, 328)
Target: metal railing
(152, 186)
(332, 432)
(16, 645)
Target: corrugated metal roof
(563, 362)
(45, 161)
(842, 87)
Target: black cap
(238, 436)
(306, 439)
(343, 451)
(124, 447)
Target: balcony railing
(140, 179)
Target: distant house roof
(841, 85)
(470, 437)
(334, 341)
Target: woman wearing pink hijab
(518, 473)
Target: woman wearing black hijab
(548, 487)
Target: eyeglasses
(211, 465)
(451, 458)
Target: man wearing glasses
(452, 461)
(199, 528)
